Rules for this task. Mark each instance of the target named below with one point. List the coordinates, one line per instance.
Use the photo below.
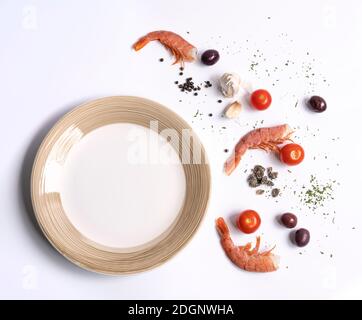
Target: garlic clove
(233, 110)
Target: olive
(317, 104)
(210, 57)
(302, 237)
(289, 220)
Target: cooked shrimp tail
(233, 161)
(142, 42)
(222, 228)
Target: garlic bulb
(230, 84)
(233, 110)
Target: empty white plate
(112, 188)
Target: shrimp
(243, 256)
(179, 47)
(262, 138)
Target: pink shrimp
(179, 47)
(243, 256)
(262, 138)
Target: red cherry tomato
(248, 221)
(292, 154)
(261, 99)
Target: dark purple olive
(317, 104)
(302, 237)
(210, 57)
(289, 220)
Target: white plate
(109, 189)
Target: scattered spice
(259, 171)
(208, 84)
(264, 180)
(189, 85)
(272, 174)
(261, 176)
(219, 101)
(197, 113)
(161, 60)
(253, 65)
(316, 194)
(275, 192)
(226, 150)
(253, 181)
(269, 183)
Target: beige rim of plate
(48, 206)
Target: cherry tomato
(248, 221)
(292, 154)
(261, 99)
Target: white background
(55, 55)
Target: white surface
(107, 173)
(56, 55)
